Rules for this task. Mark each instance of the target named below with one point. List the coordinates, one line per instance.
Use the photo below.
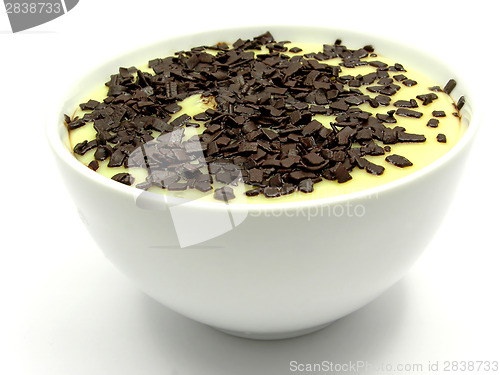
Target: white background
(66, 311)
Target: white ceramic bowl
(274, 270)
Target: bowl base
(273, 335)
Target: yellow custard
(420, 154)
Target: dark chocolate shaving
(405, 112)
(94, 165)
(433, 123)
(409, 82)
(124, 178)
(225, 194)
(438, 113)
(398, 161)
(448, 88)
(412, 103)
(374, 168)
(441, 138)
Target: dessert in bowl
(276, 209)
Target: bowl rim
(54, 120)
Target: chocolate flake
(383, 100)
(398, 161)
(256, 175)
(177, 186)
(427, 98)
(117, 158)
(203, 186)
(405, 112)
(181, 120)
(287, 188)
(124, 178)
(438, 113)
(225, 194)
(90, 105)
(409, 137)
(94, 165)
(412, 103)
(75, 124)
(271, 192)
(441, 138)
(448, 88)
(373, 168)
(306, 186)
(433, 123)
(409, 82)
(435, 88)
(313, 158)
(253, 192)
(341, 173)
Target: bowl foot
(273, 335)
